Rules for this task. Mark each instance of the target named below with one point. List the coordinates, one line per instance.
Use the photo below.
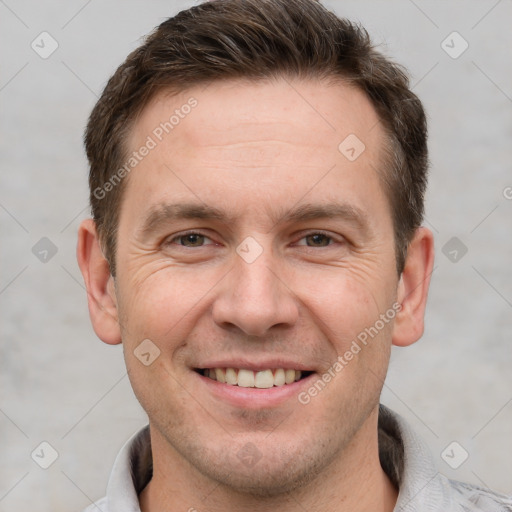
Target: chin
(277, 471)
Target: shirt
(403, 455)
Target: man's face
(249, 240)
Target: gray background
(60, 384)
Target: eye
(190, 239)
(316, 240)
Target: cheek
(355, 315)
(162, 303)
(346, 303)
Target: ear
(413, 289)
(99, 284)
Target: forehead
(263, 137)
(235, 111)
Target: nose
(255, 297)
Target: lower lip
(254, 398)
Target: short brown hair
(259, 39)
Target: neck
(355, 481)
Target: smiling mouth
(264, 379)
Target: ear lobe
(99, 284)
(413, 289)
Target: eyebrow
(341, 211)
(163, 214)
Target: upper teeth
(250, 379)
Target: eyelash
(172, 240)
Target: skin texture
(257, 151)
